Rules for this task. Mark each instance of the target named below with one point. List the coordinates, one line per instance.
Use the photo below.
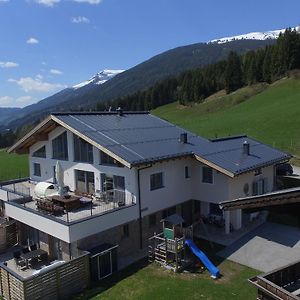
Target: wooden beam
(214, 166)
(41, 137)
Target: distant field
(271, 115)
(12, 165)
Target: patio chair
(33, 247)
(21, 264)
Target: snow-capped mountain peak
(266, 35)
(99, 78)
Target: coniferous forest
(263, 65)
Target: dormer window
(41, 152)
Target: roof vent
(183, 138)
(120, 111)
(246, 148)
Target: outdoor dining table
(33, 254)
(68, 203)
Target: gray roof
(140, 138)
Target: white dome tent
(45, 189)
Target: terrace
(42, 278)
(21, 194)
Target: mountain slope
(270, 116)
(40, 109)
(8, 112)
(140, 77)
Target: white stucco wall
(236, 185)
(207, 192)
(177, 189)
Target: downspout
(140, 204)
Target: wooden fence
(60, 283)
(8, 235)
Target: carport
(271, 245)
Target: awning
(287, 196)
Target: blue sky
(47, 45)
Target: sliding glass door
(85, 181)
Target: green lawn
(150, 281)
(13, 166)
(142, 281)
(271, 115)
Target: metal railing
(101, 204)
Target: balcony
(21, 194)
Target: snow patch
(267, 35)
(100, 78)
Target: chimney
(120, 111)
(183, 138)
(246, 148)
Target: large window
(85, 182)
(41, 152)
(207, 175)
(106, 159)
(60, 147)
(37, 169)
(83, 151)
(156, 181)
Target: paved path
(266, 248)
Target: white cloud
(24, 99)
(80, 19)
(29, 84)
(89, 1)
(3, 1)
(56, 72)
(49, 3)
(6, 100)
(32, 40)
(8, 64)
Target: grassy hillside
(268, 113)
(12, 166)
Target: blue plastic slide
(213, 270)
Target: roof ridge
(62, 113)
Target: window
(187, 172)
(37, 169)
(156, 181)
(126, 230)
(105, 159)
(260, 187)
(152, 220)
(83, 151)
(207, 175)
(85, 181)
(60, 147)
(41, 152)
